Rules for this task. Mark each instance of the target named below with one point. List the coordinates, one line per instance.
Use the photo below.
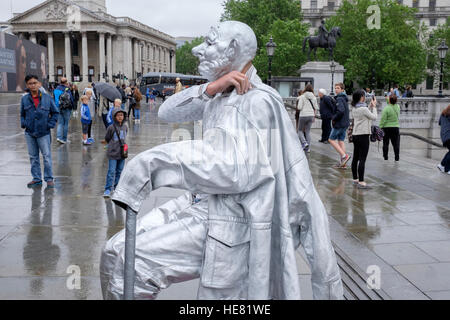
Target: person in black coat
(327, 109)
(444, 122)
(76, 98)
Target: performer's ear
(232, 50)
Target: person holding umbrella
(109, 93)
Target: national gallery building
(86, 44)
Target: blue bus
(164, 83)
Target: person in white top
(363, 116)
(307, 105)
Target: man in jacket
(64, 102)
(340, 122)
(38, 114)
(327, 106)
(256, 199)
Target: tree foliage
(288, 57)
(187, 63)
(391, 54)
(280, 19)
(441, 33)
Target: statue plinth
(321, 72)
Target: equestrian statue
(326, 40)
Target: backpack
(377, 134)
(64, 100)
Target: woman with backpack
(444, 122)
(363, 116)
(307, 105)
(390, 124)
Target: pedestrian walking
(147, 94)
(308, 107)
(340, 123)
(444, 122)
(363, 115)
(116, 135)
(137, 107)
(123, 95)
(408, 93)
(76, 97)
(179, 86)
(109, 118)
(103, 110)
(391, 126)
(327, 109)
(297, 112)
(64, 101)
(86, 120)
(131, 102)
(38, 115)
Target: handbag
(123, 146)
(350, 131)
(377, 134)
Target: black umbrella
(108, 91)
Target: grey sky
(175, 17)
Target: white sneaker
(441, 168)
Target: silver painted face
(215, 59)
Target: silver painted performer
(257, 200)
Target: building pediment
(56, 11)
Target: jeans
(137, 114)
(63, 124)
(43, 145)
(361, 143)
(304, 129)
(446, 161)
(123, 107)
(115, 168)
(392, 134)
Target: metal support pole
(441, 78)
(332, 83)
(270, 72)
(130, 247)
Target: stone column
(68, 56)
(109, 56)
(51, 57)
(85, 70)
(135, 59)
(174, 62)
(101, 52)
(127, 57)
(33, 37)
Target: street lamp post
(442, 53)
(270, 46)
(333, 69)
(171, 52)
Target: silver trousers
(170, 244)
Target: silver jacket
(262, 203)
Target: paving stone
(428, 277)
(439, 250)
(402, 253)
(439, 295)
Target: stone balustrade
(417, 115)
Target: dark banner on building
(19, 57)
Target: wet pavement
(402, 225)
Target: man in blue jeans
(38, 114)
(64, 101)
(340, 122)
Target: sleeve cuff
(203, 94)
